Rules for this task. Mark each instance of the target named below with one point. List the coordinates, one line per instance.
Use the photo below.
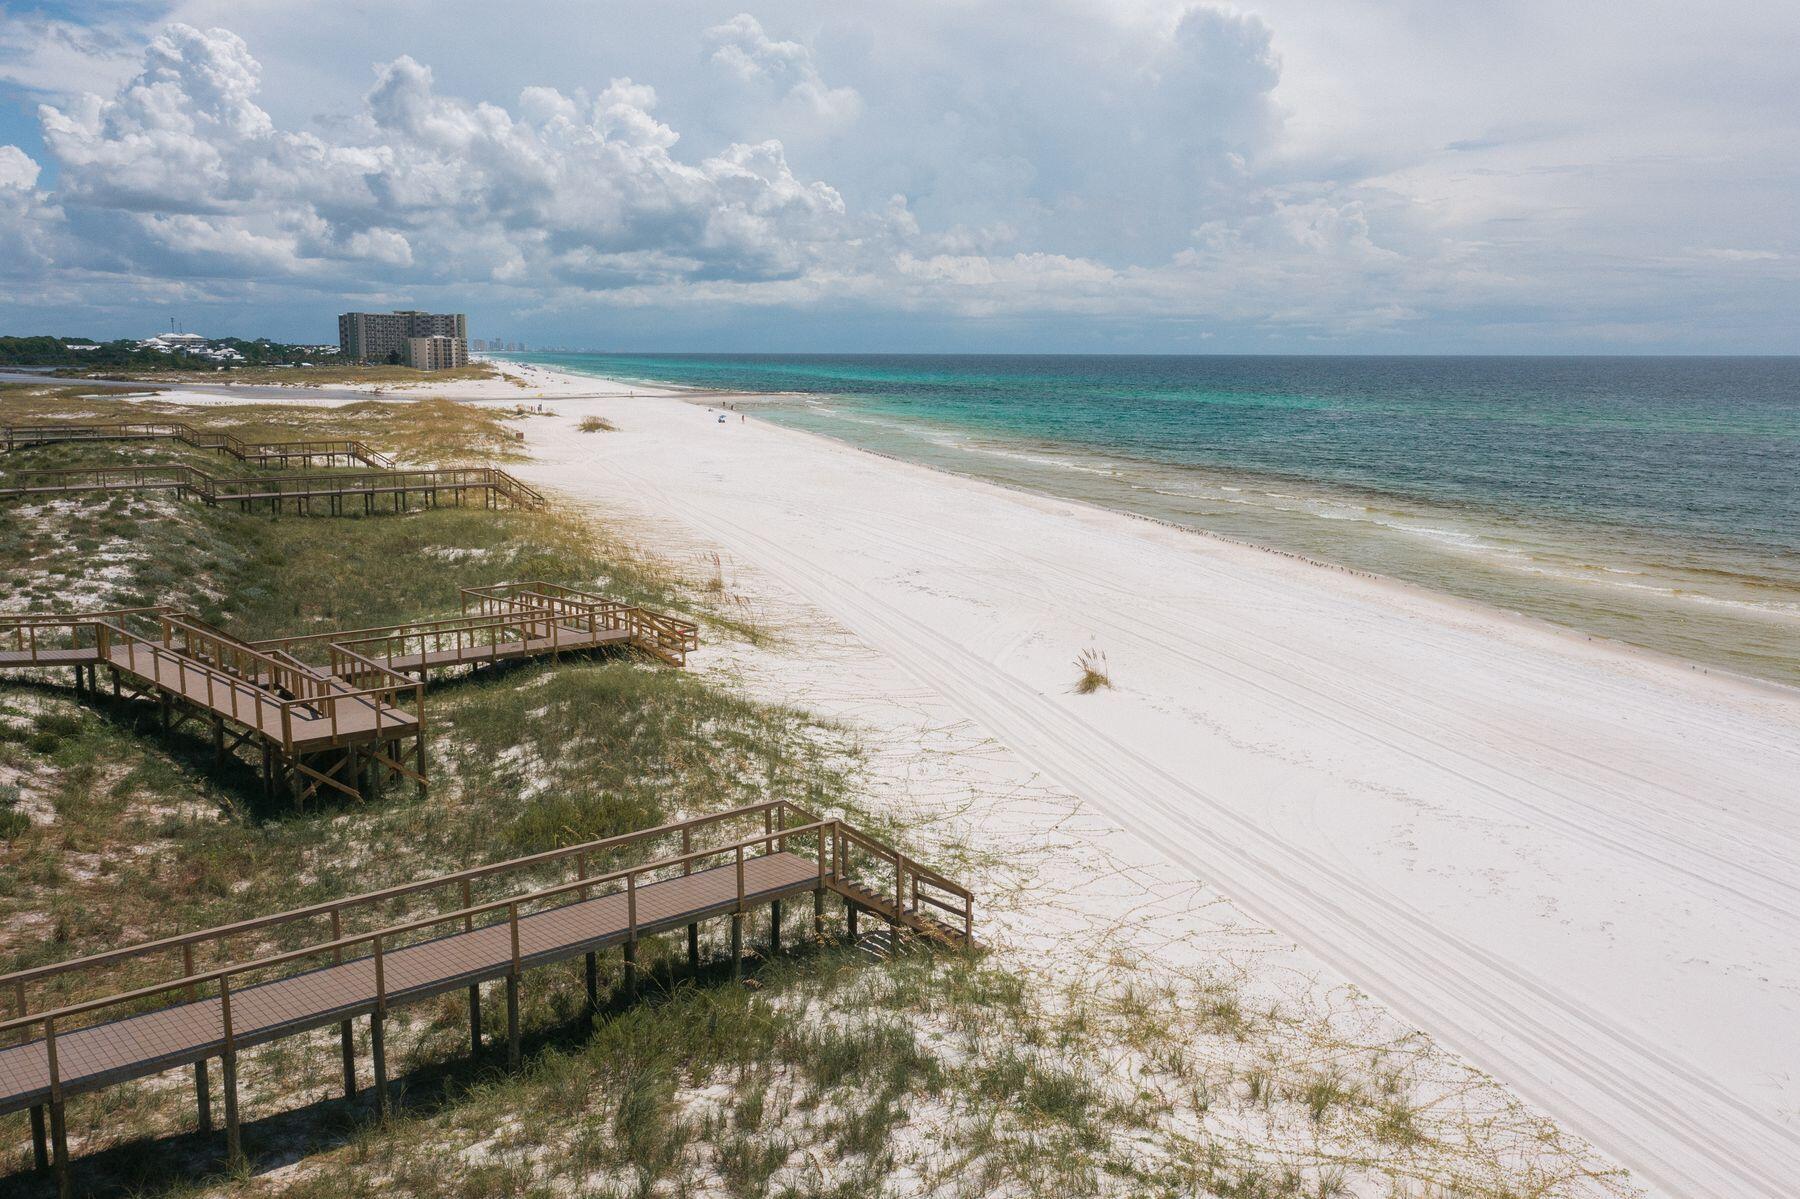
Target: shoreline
(697, 395)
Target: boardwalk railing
(301, 491)
(354, 696)
(184, 480)
(786, 827)
(190, 1017)
(665, 637)
(177, 653)
(349, 449)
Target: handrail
(234, 674)
(445, 623)
(908, 865)
(276, 487)
(511, 903)
(471, 874)
(44, 434)
(768, 839)
(56, 619)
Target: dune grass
(1094, 674)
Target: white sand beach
(1573, 864)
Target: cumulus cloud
(743, 49)
(18, 172)
(24, 216)
(422, 186)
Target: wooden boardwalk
(201, 1014)
(382, 488)
(313, 452)
(331, 711)
(340, 494)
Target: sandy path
(1574, 864)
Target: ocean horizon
(1651, 500)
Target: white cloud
(1355, 171)
(422, 186)
(17, 170)
(744, 50)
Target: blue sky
(1123, 175)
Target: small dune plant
(597, 424)
(1094, 674)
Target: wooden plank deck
(142, 1045)
(360, 709)
(351, 720)
(13, 659)
(568, 640)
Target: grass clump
(597, 424)
(13, 823)
(1094, 675)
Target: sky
(1131, 176)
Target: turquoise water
(1653, 500)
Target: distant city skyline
(1081, 176)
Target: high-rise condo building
(382, 336)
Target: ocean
(1655, 501)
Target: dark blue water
(1653, 499)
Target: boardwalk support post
(591, 971)
(347, 1047)
(850, 910)
(631, 971)
(512, 992)
(234, 1149)
(378, 1051)
(202, 1086)
(474, 987)
(512, 1022)
(203, 1096)
(774, 927)
(693, 930)
(346, 1030)
(40, 1143)
(59, 1143)
(737, 946)
(378, 1033)
(819, 914)
(59, 1136)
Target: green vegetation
(61, 351)
(597, 424)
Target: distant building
(436, 353)
(382, 336)
(196, 344)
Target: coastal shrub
(597, 424)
